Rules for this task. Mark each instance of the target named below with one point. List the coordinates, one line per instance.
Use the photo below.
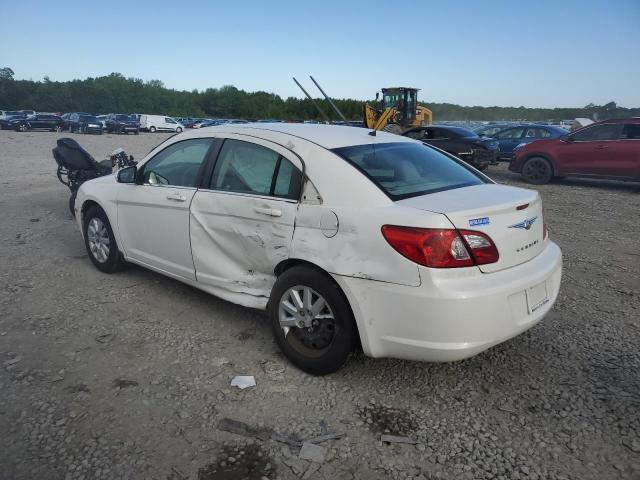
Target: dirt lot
(128, 375)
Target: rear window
(403, 170)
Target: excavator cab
(404, 100)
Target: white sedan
(342, 235)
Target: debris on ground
(105, 337)
(312, 452)
(240, 428)
(397, 439)
(124, 383)
(243, 381)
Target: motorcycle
(76, 165)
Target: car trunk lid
(510, 216)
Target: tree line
(116, 93)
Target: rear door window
(631, 131)
(403, 170)
(510, 134)
(244, 167)
(537, 133)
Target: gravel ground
(128, 375)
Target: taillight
(441, 248)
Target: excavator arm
(373, 121)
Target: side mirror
(569, 139)
(127, 175)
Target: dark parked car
(492, 129)
(7, 117)
(122, 123)
(609, 149)
(511, 137)
(84, 123)
(40, 121)
(66, 117)
(463, 143)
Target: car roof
(635, 120)
(326, 136)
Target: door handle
(272, 212)
(602, 147)
(176, 197)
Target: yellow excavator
(398, 111)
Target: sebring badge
(526, 223)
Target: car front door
(508, 140)
(588, 151)
(242, 224)
(169, 124)
(153, 216)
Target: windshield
(403, 170)
(88, 118)
(126, 118)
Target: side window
(178, 164)
(439, 134)
(537, 133)
(168, 120)
(510, 134)
(608, 131)
(416, 134)
(630, 131)
(288, 181)
(244, 167)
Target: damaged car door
(153, 214)
(242, 224)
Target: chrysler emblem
(526, 223)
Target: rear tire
(537, 171)
(100, 241)
(324, 348)
(152, 129)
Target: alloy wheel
(307, 320)
(98, 238)
(536, 170)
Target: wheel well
(87, 205)
(294, 262)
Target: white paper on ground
(243, 381)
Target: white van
(160, 123)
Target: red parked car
(609, 149)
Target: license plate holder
(537, 297)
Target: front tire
(311, 320)
(100, 241)
(537, 171)
(179, 130)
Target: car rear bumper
(455, 316)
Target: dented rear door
(242, 225)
